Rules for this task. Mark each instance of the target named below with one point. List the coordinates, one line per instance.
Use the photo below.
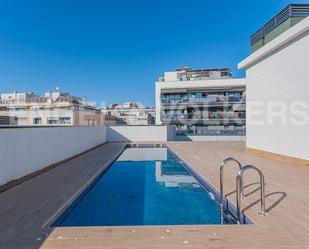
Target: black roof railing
(301, 10)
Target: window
(199, 95)
(37, 121)
(59, 121)
(91, 121)
(65, 120)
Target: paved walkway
(26, 207)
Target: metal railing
(219, 100)
(214, 132)
(222, 197)
(292, 10)
(193, 116)
(239, 190)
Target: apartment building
(131, 113)
(201, 102)
(53, 108)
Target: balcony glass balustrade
(216, 118)
(178, 99)
(241, 131)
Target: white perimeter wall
(282, 76)
(26, 150)
(140, 133)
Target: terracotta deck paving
(26, 207)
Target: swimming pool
(144, 186)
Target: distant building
(54, 108)
(131, 113)
(201, 102)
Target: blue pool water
(146, 186)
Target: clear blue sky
(114, 50)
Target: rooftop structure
(277, 76)
(284, 20)
(186, 73)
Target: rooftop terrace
(27, 207)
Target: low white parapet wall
(26, 150)
(140, 133)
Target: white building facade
(277, 96)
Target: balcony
(206, 119)
(210, 100)
(213, 132)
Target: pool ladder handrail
(222, 197)
(239, 190)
